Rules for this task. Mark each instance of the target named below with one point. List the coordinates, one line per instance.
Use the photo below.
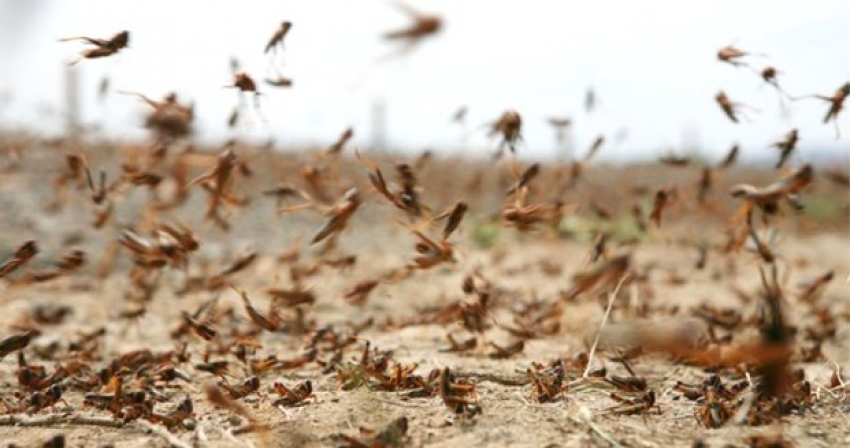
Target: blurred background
(651, 66)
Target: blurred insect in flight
(103, 47)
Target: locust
(338, 214)
(276, 41)
(786, 147)
(733, 55)
(103, 47)
(661, 198)
(729, 107)
(836, 104)
(21, 257)
(341, 141)
(509, 126)
(218, 182)
(767, 198)
(424, 25)
(731, 157)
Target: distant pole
(379, 124)
(72, 100)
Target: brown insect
(16, 342)
(168, 117)
(627, 383)
(730, 108)
(76, 164)
(526, 216)
(595, 146)
(294, 396)
(407, 197)
(280, 81)
(786, 147)
(455, 216)
(239, 264)
(103, 47)
(714, 412)
(769, 74)
(392, 435)
(732, 55)
(243, 389)
(640, 404)
(66, 264)
(730, 158)
(661, 198)
(603, 273)
(338, 215)
(98, 193)
(217, 368)
(431, 253)
(44, 399)
(836, 105)
(704, 185)
(276, 41)
(815, 288)
(343, 263)
(172, 244)
(547, 386)
(527, 176)
(218, 397)
(456, 346)
(508, 351)
(767, 198)
(270, 323)
(315, 178)
(22, 256)
(291, 298)
(509, 125)
(204, 331)
(358, 293)
(340, 142)
(283, 192)
(424, 25)
(174, 418)
(243, 82)
(218, 182)
(459, 396)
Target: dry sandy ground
(524, 266)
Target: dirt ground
(521, 267)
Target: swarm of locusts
(238, 335)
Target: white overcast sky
(652, 64)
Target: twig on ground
(59, 419)
(611, 298)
